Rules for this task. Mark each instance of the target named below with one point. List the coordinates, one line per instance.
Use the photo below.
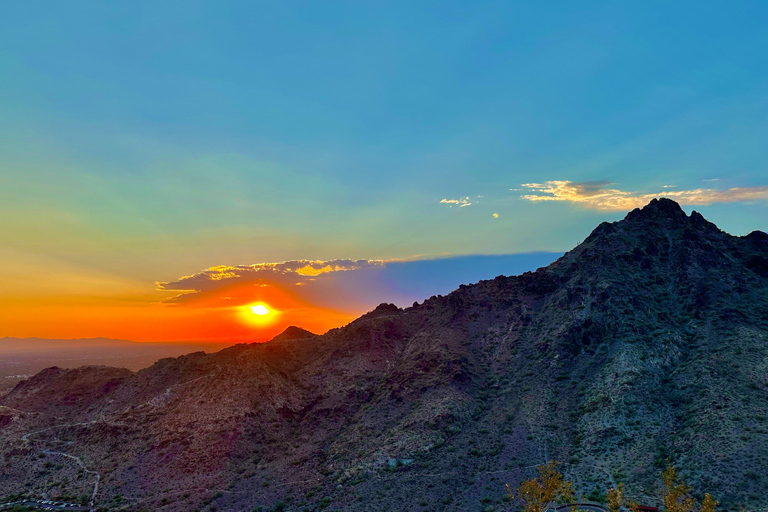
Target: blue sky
(144, 141)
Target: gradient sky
(142, 142)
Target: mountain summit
(646, 343)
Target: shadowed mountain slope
(646, 342)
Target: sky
(392, 150)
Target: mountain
(22, 357)
(648, 342)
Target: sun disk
(259, 309)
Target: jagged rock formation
(646, 342)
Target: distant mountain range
(648, 342)
(9, 345)
(22, 357)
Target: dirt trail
(78, 460)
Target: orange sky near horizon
(42, 298)
(225, 318)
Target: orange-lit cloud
(312, 271)
(295, 272)
(598, 195)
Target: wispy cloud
(460, 202)
(599, 195)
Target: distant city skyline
(437, 142)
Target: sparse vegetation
(537, 493)
(677, 495)
(615, 498)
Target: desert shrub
(596, 495)
(537, 493)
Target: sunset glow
(155, 188)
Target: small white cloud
(669, 186)
(713, 179)
(460, 202)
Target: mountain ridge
(645, 342)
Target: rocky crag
(648, 342)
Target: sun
(259, 309)
(258, 314)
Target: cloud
(460, 202)
(296, 272)
(598, 195)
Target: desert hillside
(647, 342)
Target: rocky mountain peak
(382, 310)
(659, 218)
(666, 212)
(659, 209)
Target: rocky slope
(647, 342)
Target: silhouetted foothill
(294, 333)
